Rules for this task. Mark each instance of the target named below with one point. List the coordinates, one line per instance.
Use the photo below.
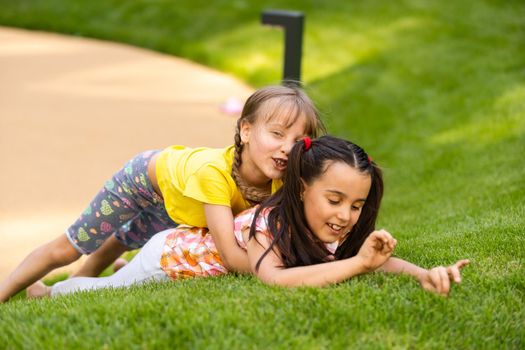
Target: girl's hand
(376, 249)
(439, 279)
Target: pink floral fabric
(190, 251)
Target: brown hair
(296, 243)
(267, 103)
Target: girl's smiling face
(267, 144)
(334, 201)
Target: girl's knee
(62, 252)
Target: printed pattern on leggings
(127, 207)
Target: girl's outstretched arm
(220, 223)
(438, 279)
(375, 251)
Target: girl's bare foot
(38, 290)
(119, 263)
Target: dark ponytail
(296, 243)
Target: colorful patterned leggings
(127, 207)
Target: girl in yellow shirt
(202, 187)
(318, 229)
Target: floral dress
(190, 251)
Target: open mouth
(280, 164)
(336, 229)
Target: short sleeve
(209, 185)
(244, 221)
(261, 222)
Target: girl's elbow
(284, 281)
(229, 263)
(272, 279)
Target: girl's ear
(303, 188)
(245, 130)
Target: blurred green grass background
(434, 90)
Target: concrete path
(73, 111)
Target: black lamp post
(292, 22)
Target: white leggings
(145, 266)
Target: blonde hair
(268, 102)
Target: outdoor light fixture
(292, 22)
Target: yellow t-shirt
(190, 177)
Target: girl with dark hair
(179, 185)
(318, 229)
(332, 195)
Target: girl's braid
(252, 194)
(289, 97)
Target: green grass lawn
(434, 90)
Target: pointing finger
(462, 263)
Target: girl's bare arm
(220, 223)
(396, 265)
(376, 250)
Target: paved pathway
(73, 110)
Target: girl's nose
(344, 215)
(287, 147)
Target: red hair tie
(369, 160)
(307, 143)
